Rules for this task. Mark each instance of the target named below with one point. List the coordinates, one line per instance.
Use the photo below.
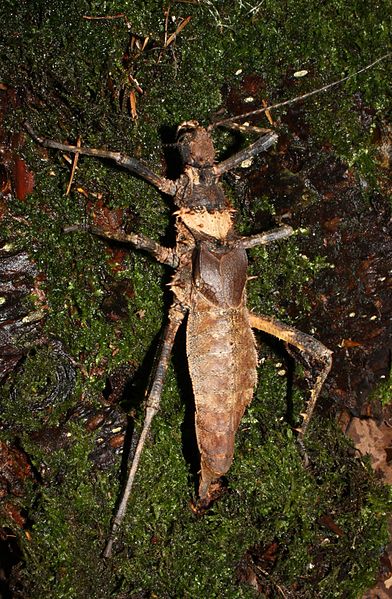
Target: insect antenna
(320, 90)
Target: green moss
(34, 398)
(383, 391)
(61, 66)
(281, 272)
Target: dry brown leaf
(132, 104)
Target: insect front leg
(176, 316)
(305, 343)
(265, 238)
(162, 254)
(260, 145)
(128, 162)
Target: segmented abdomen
(222, 364)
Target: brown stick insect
(208, 286)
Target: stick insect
(208, 287)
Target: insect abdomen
(222, 364)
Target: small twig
(105, 17)
(134, 81)
(180, 27)
(74, 165)
(167, 12)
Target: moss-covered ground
(280, 530)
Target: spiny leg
(176, 316)
(260, 145)
(131, 164)
(162, 254)
(305, 343)
(265, 238)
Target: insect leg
(260, 145)
(131, 164)
(176, 316)
(137, 240)
(305, 343)
(265, 238)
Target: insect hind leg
(312, 348)
(176, 316)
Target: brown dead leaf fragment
(350, 343)
(95, 421)
(328, 522)
(267, 113)
(12, 512)
(14, 469)
(132, 104)
(117, 441)
(15, 174)
(375, 440)
(23, 179)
